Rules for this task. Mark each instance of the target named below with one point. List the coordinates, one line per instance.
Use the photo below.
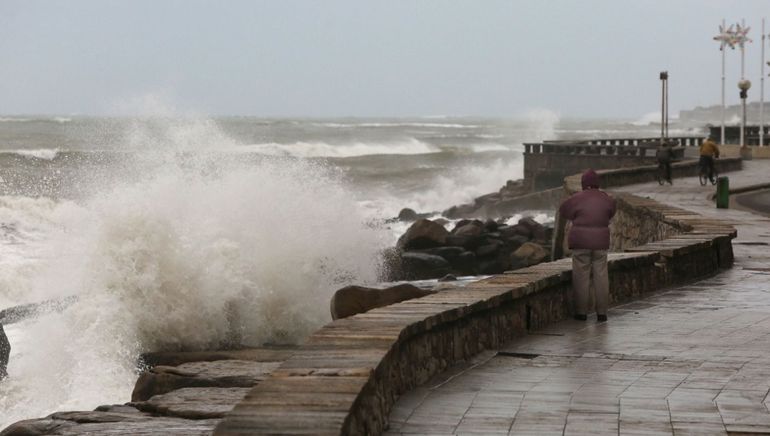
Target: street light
(743, 85)
(664, 106)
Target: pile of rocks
(428, 250)
(489, 205)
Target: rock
(517, 229)
(465, 241)
(219, 374)
(448, 278)
(535, 228)
(351, 300)
(488, 249)
(459, 224)
(5, 352)
(421, 266)
(515, 242)
(423, 234)
(528, 254)
(491, 225)
(194, 403)
(493, 266)
(465, 263)
(441, 221)
(473, 228)
(407, 214)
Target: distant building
(713, 114)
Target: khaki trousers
(585, 264)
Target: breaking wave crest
(322, 149)
(197, 252)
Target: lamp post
(664, 106)
(762, 91)
(726, 37)
(744, 86)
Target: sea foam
(195, 253)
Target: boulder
(5, 351)
(489, 249)
(351, 300)
(536, 229)
(528, 254)
(517, 229)
(493, 266)
(459, 224)
(441, 221)
(423, 233)
(465, 263)
(421, 266)
(491, 225)
(448, 278)
(465, 241)
(515, 242)
(407, 214)
(473, 228)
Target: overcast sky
(579, 58)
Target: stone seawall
(347, 376)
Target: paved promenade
(691, 360)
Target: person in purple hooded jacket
(589, 239)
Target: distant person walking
(708, 152)
(664, 155)
(590, 212)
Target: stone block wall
(636, 224)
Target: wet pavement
(689, 360)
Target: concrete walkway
(690, 360)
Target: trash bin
(723, 192)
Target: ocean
(169, 228)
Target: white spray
(169, 260)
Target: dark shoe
(580, 317)
(601, 318)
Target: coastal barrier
(349, 373)
(546, 164)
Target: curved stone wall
(347, 376)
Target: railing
(733, 134)
(617, 146)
